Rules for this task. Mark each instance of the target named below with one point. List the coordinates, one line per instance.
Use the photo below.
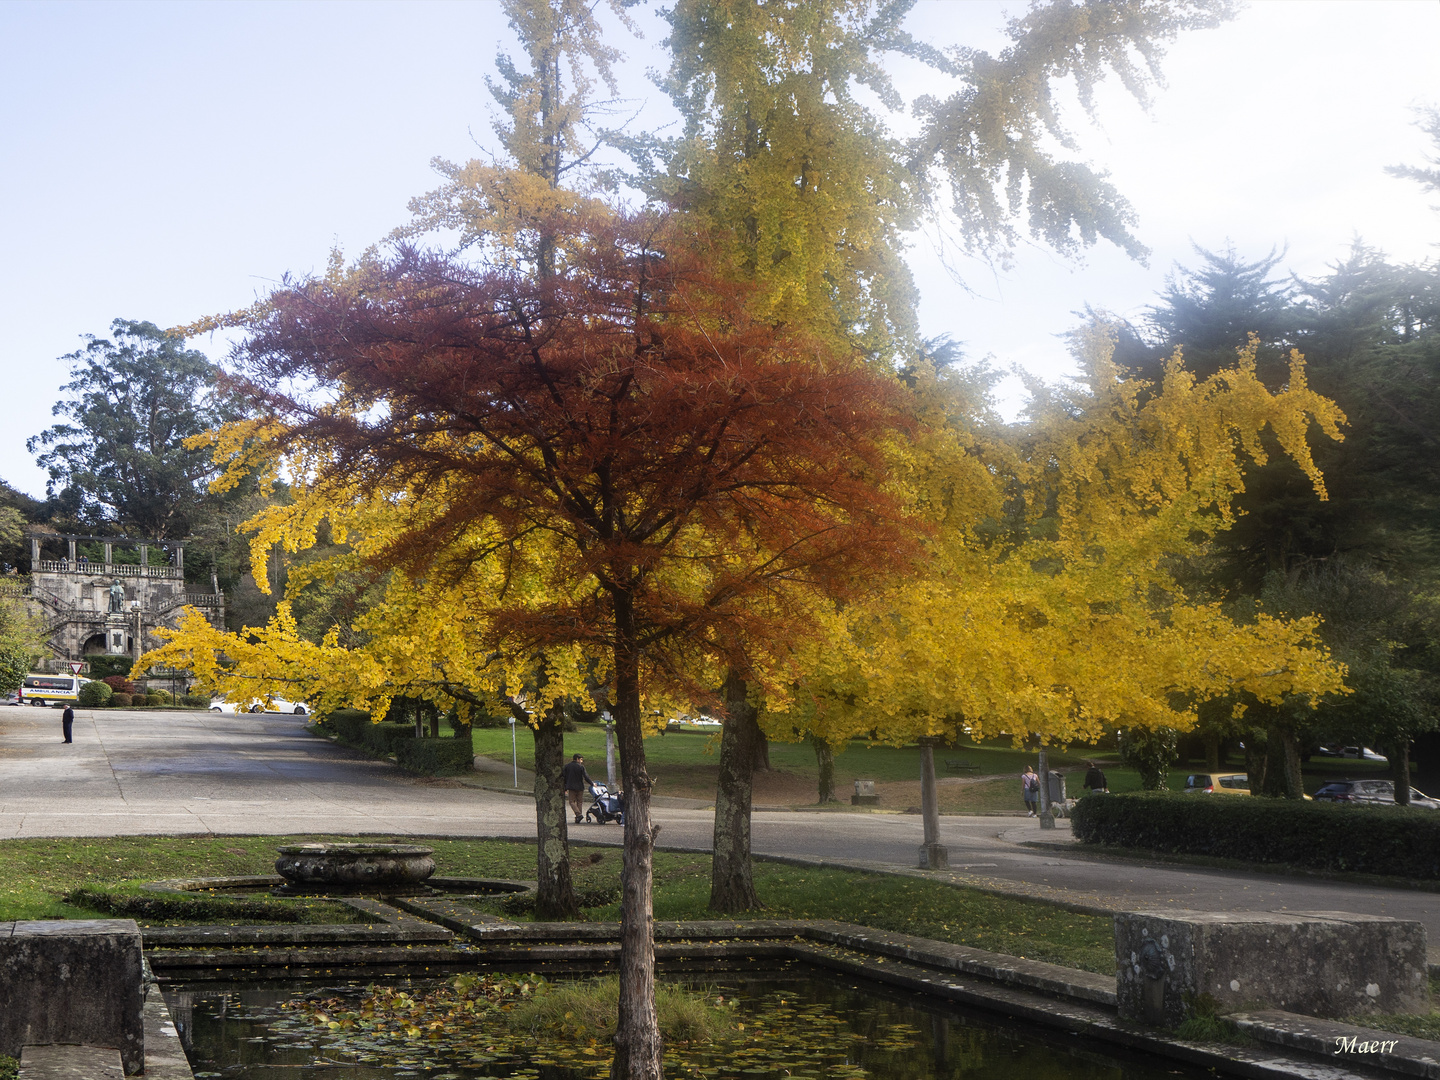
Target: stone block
(73, 981)
(59, 1061)
(865, 794)
(1316, 963)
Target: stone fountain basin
(311, 868)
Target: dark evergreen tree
(119, 455)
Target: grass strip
(36, 875)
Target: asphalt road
(133, 773)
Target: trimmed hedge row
(433, 757)
(1394, 840)
(437, 757)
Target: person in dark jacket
(575, 780)
(67, 722)
(1095, 778)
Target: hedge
(437, 757)
(433, 757)
(95, 695)
(120, 700)
(1394, 840)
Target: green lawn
(35, 874)
(858, 760)
(686, 762)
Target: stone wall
(1319, 963)
(73, 981)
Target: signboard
(76, 666)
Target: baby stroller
(606, 807)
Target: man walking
(67, 722)
(575, 779)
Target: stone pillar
(73, 981)
(180, 558)
(933, 854)
(71, 545)
(109, 558)
(34, 553)
(144, 554)
(1318, 963)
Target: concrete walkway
(195, 772)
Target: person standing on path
(1030, 789)
(67, 722)
(1095, 778)
(575, 779)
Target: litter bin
(1057, 794)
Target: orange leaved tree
(695, 479)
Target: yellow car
(1237, 783)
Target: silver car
(1371, 791)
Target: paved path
(184, 772)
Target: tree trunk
(638, 1048)
(732, 886)
(556, 896)
(1212, 752)
(1400, 758)
(759, 750)
(825, 758)
(1282, 763)
(1255, 762)
(933, 855)
(434, 712)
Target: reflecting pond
(791, 1024)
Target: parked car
(257, 705)
(1371, 791)
(1218, 783)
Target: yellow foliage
(1068, 620)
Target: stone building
(107, 604)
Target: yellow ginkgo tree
(1049, 606)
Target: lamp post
(609, 751)
(514, 755)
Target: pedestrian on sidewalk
(575, 779)
(67, 722)
(1030, 789)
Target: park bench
(956, 765)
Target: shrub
(120, 700)
(163, 695)
(119, 683)
(95, 695)
(436, 757)
(1393, 840)
(149, 699)
(197, 701)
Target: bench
(956, 765)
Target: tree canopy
(119, 455)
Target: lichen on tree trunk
(555, 897)
(638, 1049)
(732, 885)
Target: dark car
(1370, 791)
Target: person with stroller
(574, 779)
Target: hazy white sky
(168, 161)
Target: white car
(257, 705)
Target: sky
(170, 161)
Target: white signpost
(77, 666)
(514, 754)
